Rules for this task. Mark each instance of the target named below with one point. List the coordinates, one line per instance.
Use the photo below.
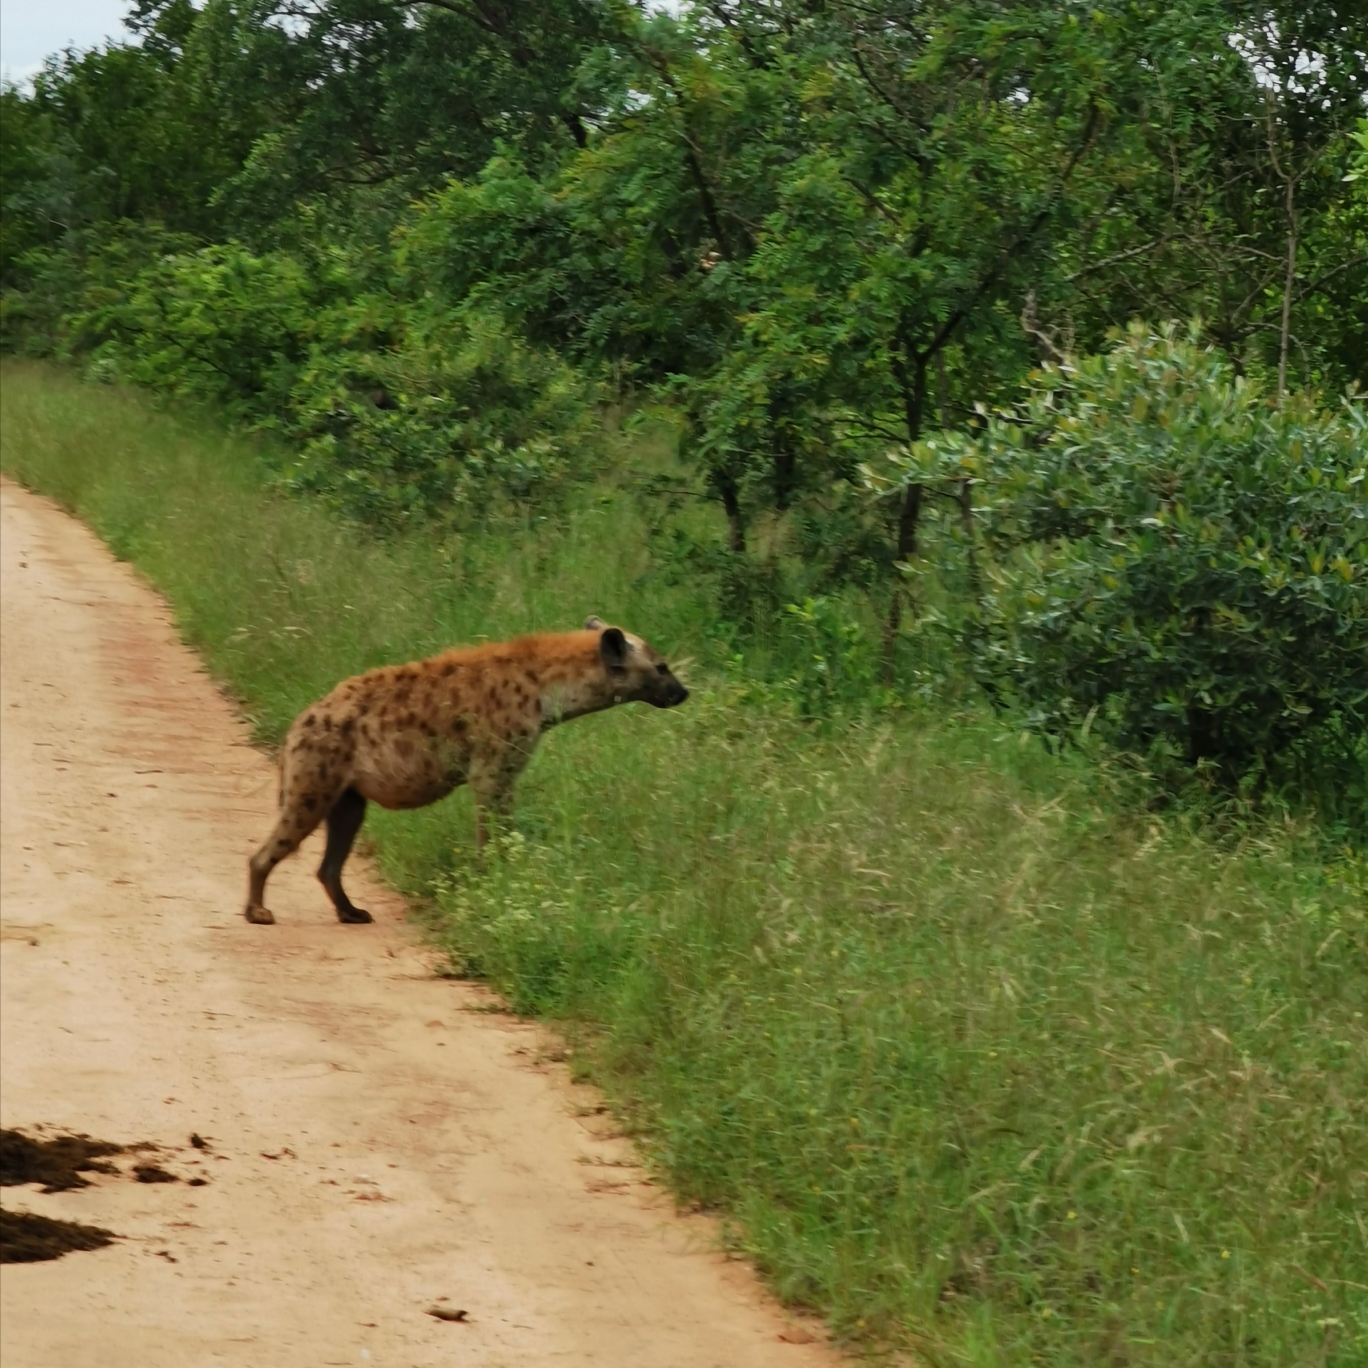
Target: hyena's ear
(613, 648)
(593, 624)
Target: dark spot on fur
(348, 726)
(309, 720)
(327, 724)
(448, 669)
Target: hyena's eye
(662, 668)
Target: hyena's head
(638, 673)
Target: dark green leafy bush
(1190, 563)
(1181, 563)
(458, 416)
(220, 323)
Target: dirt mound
(26, 1238)
(56, 1163)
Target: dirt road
(376, 1144)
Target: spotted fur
(404, 736)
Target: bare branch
(1119, 257)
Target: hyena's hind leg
(344, 821)
(301, 810)
(284, 840)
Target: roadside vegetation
(978, 1056)
(971, 397)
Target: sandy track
(425, 1150)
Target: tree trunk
(910, 369)
(1285, 335)
(731, 505)
(908, 516)
(785, 477)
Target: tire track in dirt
(376, 1143)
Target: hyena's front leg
(493, 807)
(491, 782)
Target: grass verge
(974, 1062)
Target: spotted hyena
(406, 735)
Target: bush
(1182, 562)
(837, 665)
(1193, 567)
(459, 416)
(219, 323)
(400, 409)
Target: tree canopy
(427, 240)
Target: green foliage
(90, 272)
(220, 324)
(399, 411)
(975, 1061)
(22, 173)
(142, 131)
(1183, 563)
(425, 243)
(465, 420)
(837, 665)
(823, 229)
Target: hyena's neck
(572, 677)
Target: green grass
(974, 1061)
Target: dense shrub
(398, 409)
(219, 323)
(462, 414)
(1182, 562)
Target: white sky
(32, 29)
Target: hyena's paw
(260, 916)
(355, 916)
